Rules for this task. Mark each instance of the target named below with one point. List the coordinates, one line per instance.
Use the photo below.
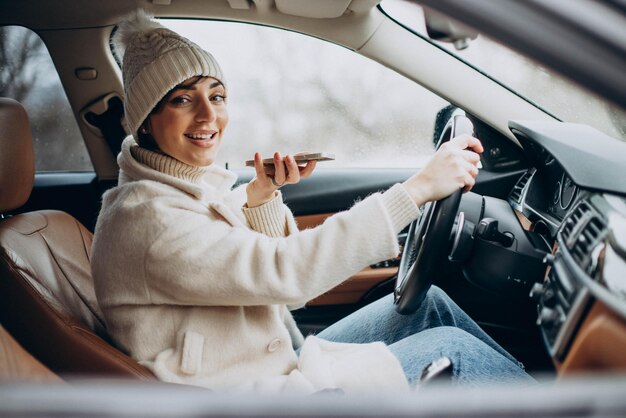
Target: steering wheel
(427, 243)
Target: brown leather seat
(16, 364)
(47, 300)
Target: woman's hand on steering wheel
(454, 166)
(270, 178)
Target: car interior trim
(552, 222)
(357, 286)
(599, 344)
(311, 221)
(598, 290)
(526, 223)
(572, 319)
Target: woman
(194, 278)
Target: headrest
(17, 158)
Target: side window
(289, 92)
(27, 75)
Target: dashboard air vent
(582, 231)
(518, 189)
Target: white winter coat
(194, 285)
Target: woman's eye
(180, 100)
(218, 98)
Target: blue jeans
(438, 328)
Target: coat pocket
(192, 352)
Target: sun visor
(323, 9)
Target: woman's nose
(205, 111)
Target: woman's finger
(307, 169)
(474, 171)
(258, 167)
(467, 142)
(293, 175)
(471, 169)
(471, 156)
(469, 183)
(279, 169)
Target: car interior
(535, 253)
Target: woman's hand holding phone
(270, 177)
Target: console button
(537, 291)
(548, 316)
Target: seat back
(47, 298)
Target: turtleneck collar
(167, 165)
(137, 163)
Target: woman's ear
(144, 137)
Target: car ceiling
(72, 14)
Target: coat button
(273, 345)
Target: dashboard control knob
(549, 298)
(549, 259)
(537, 291)
(487, 229)
(547, 316)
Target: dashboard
(573, 197)
(553, 193)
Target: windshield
(292, 92)
(539, 85)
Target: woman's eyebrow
(193, 86)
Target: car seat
(47, 299)
(16, 364)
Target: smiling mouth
(201, 137)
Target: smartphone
(300, 159)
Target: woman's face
(191, 122)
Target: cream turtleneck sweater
(194, 285)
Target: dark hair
(146, 140)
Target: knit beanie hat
(155, 60)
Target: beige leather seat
(47, 300)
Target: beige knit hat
(155, 60)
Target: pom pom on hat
(155, 59)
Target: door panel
(354, 289)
